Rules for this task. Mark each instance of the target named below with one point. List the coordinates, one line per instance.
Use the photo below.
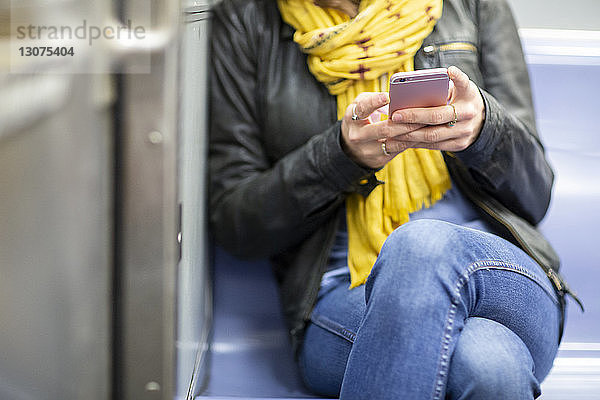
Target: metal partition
(147, 213)
(55, 247)
(90, 216)
(164, 299)
(55, 226)
(194, 297)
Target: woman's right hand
(362, 139)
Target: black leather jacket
(278, 175)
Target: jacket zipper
(560, 285)
(554, 278)
(453, 46)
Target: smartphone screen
(416, 89)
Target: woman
(405, 249)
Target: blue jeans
(447, 312)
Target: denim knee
(416, 251)
(423, 236)
(413, 268)
(426, 247)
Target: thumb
(367, 103)
(451, 96)
(460, 79)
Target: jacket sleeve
(508, 158)
(260, 207)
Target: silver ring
(384, 149)
(354, 115)
(455, 120)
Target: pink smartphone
(422, 88)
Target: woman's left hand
(440, 133)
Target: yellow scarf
(350, 56)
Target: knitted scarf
(354, 55)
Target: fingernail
(383, 97)
(397, 117)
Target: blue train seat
(250, 353)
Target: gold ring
(384, 149)
(455, 120)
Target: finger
(367, 103)
(394, 147)
(377, 154)
(460, 79)
(386, 129)
(453, 144)
(433, 134)
(429, 115)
